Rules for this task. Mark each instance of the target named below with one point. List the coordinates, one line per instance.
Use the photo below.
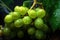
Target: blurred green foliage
(55, 18)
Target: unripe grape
(6, 31)
(8, 19)
(1, 32)
(41, 13)
(38, 23)
(27, 20)
(18, 23)
(15, 15)
(16, 9)
(32, 14)
(37, 9)
(39, 34)
(45, 28)
(23, 10)
(31, 31)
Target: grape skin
(8, 19)
(31, 31)
(32, 14)
(41, 13)
(18, 23)
(38, 23)
(27, 20)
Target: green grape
(18, 23)
(8, 19)
(15, 15)
(39, 34)
(1, 32)
(6, 31)
(37, 9)
(11, 25)
(41, 13)
(23, 10)
(27, 20)
(38, 23)
(20, 34)
(32, 14)
(16, 9)
(31, 31)
(10, 13)
(45, 28)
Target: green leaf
(27, 3)
(55, 19)
(57, 5)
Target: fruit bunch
(24, 20)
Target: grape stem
(33, 4)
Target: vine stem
(33, 4)
(40, 4)
(3, 4)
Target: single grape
(41, 13)
(18, 23)
(38, 23)
(27, 20)
(16, 9)
(31, 31)
(37, 9)
(1, 32)
(10, 13)
(20, 34)
(39, 34)
(32, 14)
(6, 31)
(11, 25)
(45, 28)
(8, 19)
(15, 15)
(23, 10)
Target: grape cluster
(24, 20)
